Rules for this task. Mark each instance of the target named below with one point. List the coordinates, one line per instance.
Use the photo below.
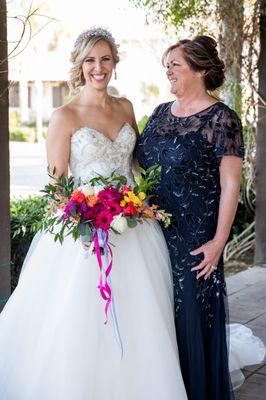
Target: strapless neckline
(92, 153)
(101, 134)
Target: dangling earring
(115, 75)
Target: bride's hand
(212, 251)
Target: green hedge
(25, 215)
(24, 134)
(21, 134)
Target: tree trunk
(4, 163)
(231, 45)
(260, 246)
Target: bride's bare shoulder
(124, 103)
(62, 120)
(125, 106)
(128, 111)
(64, 114)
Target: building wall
(53, 95)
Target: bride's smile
(98, 66)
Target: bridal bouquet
(91, 210)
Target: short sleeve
(159, 110)
(228, 135)
(156, 116)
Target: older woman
(198, 142)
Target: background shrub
(25, 215)
(21, 134)
(142, 122)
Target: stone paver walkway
(247, 305)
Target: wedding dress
(54, 344)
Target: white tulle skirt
(54, 344)
(244, 349)
(53, 341)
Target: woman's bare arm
(230, 177)
(58, 143)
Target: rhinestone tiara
(94, 31)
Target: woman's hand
(212, 251)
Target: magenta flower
(83, 207)
(116, 195)
(105, 196)
(103, 220)
(88, 214)
(71, 206)
(91, 212)
(114, 208)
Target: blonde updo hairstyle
(83, 45)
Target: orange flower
(78, 197)
(150, 213)
(91, 200)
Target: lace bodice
(93, 153)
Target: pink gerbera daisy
(103, 220)
(114, 208)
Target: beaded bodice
(92, 153)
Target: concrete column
(23, 99)
(39, 108)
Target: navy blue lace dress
(189, 150)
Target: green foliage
(14, 119)
(148, 179)
(24, 134)
(175, 12)
(142, 123)
(21, 134)
(25, 214)
(114, 181)
(18, 133)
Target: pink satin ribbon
(100, 239)
(103, 286)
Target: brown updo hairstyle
(201, 55)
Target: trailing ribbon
(100, 239)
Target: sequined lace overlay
(189, 150)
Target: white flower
(97, 189)
(119, 223)
(87, 190)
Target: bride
(54, 344)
